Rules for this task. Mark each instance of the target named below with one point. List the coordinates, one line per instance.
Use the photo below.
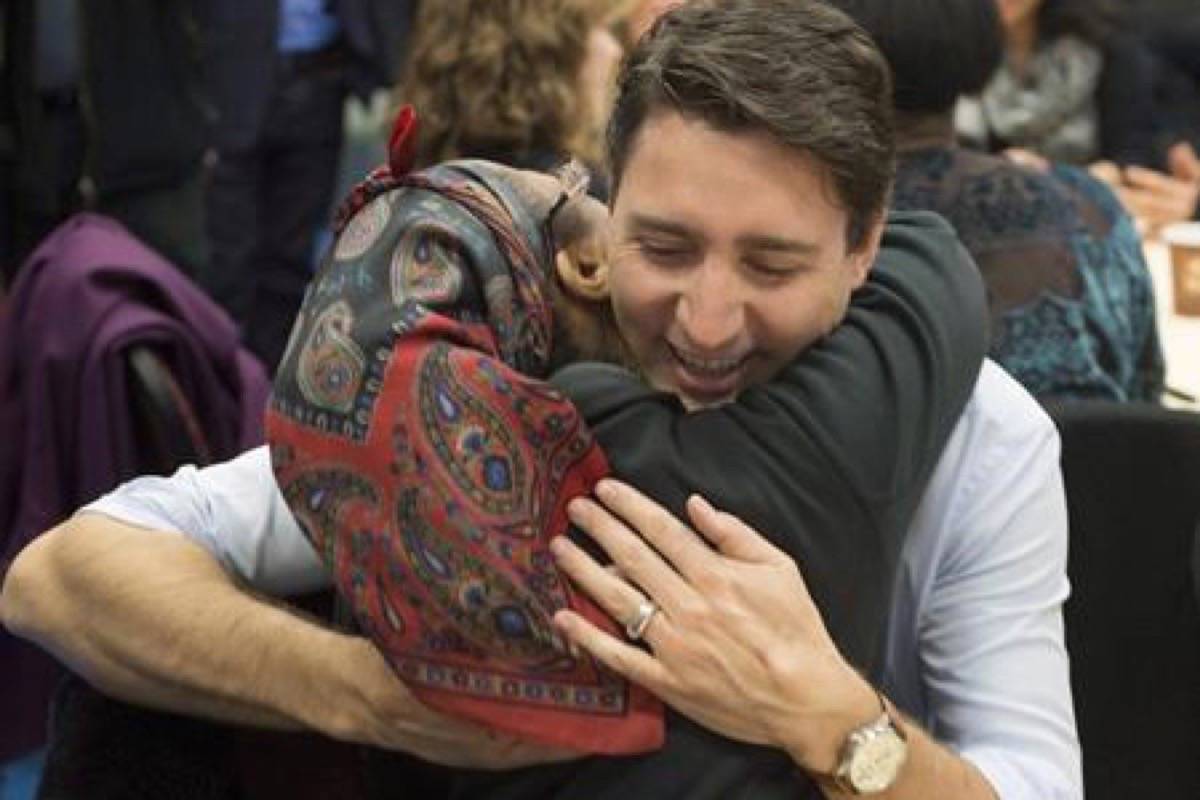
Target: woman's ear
(582, 270)
(582, 307)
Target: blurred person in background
(1070, 295)
(104, 111)
(1074, 87)
(279, 72)
(522, 82)
(1171, 31)
(101, 110)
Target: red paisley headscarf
(429, 463)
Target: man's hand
(384, 713)
(737, 645)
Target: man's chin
(696, 401)
(691, 397)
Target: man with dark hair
(752, 151)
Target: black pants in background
(266, 204)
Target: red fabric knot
(402, 144)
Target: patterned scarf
(430, 465)
(1050, 109)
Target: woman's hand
(737, 644)
(1156, 198)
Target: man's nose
(710, 313)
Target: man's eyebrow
(649, 222)
(759, 242)
(778, 244)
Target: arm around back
(152, 617)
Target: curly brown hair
(500, 78)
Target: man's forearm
(152, 619)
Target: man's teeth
(713, 366)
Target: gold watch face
(876, 762)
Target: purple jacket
(85, 296)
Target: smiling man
(713, 297)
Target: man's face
(729, 258)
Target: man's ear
(582, 271)
(862, 259)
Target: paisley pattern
(426, 268)
(332, 364)
(363, 230)
(430, 465)
(1071, 297)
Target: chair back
(1132, 475)
(165, 428)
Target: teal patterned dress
(1070, 296)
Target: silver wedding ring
(636, 626)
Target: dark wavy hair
(799, 71)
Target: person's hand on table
(1154, 197)
(382, 712)
(737, 643)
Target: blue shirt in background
(306, 25)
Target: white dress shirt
(975, 637)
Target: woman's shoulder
(987, 198)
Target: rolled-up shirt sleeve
(234, 511)
(992, 678)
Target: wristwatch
(873, 755)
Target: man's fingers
(626, 544)
(632, 663)
(677, 543)
(729, 534)
(614, 595)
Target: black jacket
(240, 55)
